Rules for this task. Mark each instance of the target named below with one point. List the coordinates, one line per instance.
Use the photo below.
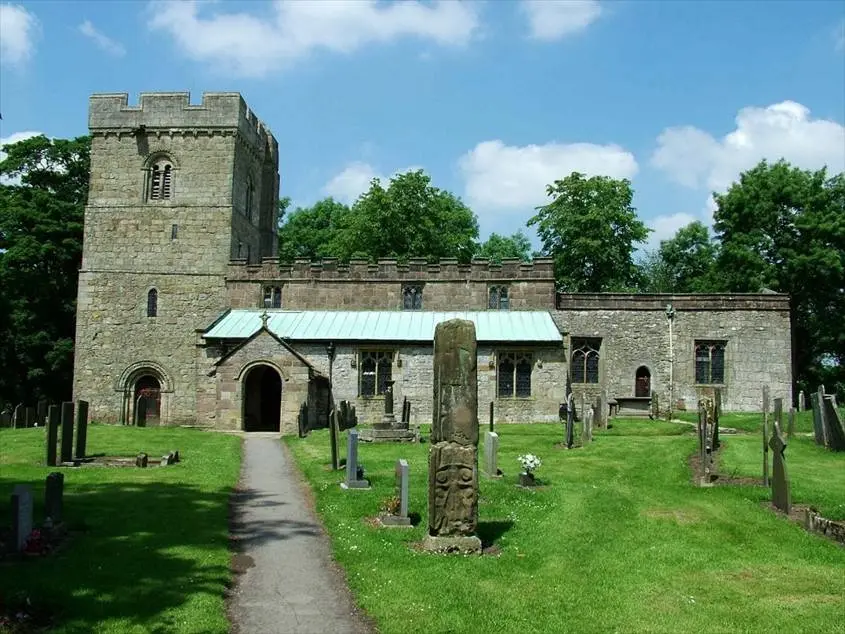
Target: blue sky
(494, 99)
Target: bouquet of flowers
(529, 462)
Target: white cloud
(10, 140)
(839, 36)
(786, 130)
(500, 177)
(554, 19)
(355, 179)
(17, 34)
(104, 42)
(253, 45)
(665, 227)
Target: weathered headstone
(603, 410)
(817, 404)
(491, 454)
(704, 449)
(587, 435)
(570, 421)
(453, 456)
(81, 428)
(765, 435)
(655, 406)
(52, 434)
(790, 427)
(389, 417)
(19, 417)
(406, 411)
(834, 430)
(348, 418)
(492, 415)
(142, 460)
(780, 481)
(778, 411)
(801, 406)
(67, 432)
(334, 432)
(54, 497)
(401, 517)
(302, 421)
(21, 515)
(354, 473)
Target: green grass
(617, 541)
(753, 421)
(149, 547)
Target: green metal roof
(366, 325)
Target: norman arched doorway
(262, 397)
(642, 382)
(147, 401)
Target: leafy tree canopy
(498, 248)
(590, 229)
(40, 250)
(310, 232)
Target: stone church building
(186, 317)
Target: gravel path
(288, 582)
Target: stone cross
(264, 318)
(354, 475)
(453, 453)
(491, 452)
(81, 428)
(54, 497)
(780, 481)
(52, 434)
(765, 435)
(67, 432)
(21, 515)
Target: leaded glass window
(272, 297)
(709, 362)
(412, 297)
(514, 375)
(375, 370)
(497, 298)
(584, 364)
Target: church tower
(176, 191)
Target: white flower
(529, 462)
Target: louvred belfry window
(161, 181)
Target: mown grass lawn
(618, 540)
(149, 547)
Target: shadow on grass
(491, 532)
(136, 551)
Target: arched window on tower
(152, 303)
(160, 180)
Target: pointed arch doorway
(262, 399)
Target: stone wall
(635, 332)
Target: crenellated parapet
(389, 269)
(163, 113)
(679, 302)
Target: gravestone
(388, 430)
(41, 412)
(142, 460)
(333, 438)
(302, 420)
(655, 406)
(354, 473)
(587, 433)
(765, 435)
(19, 417)
(603, 408)
(801, 406)
(704, 451)
(21, 515)
(67, 432)
(348, 418)
(401, 518)
(834, 430)
(492, 413)
(453, 456)
(491, 454)
(5, 418)
(717, 413)
(406, 411)
(790, 427)
(52, 434)
(778, 411)
(31, 419)
(81, 428)
(570, 421)
(780, 481)
(816, 402)
(54, 492)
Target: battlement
(172, 111)
(389, 269)
(681, 302)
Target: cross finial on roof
(264, 318)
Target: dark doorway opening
(642, 384)
(147, 401)
(262, 399)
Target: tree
(654, 275)
(689, 258)
(409, 218)
(590, 229)
(309, 232)
(783, 228)
(498, 248)
(40, 251)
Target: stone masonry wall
(758, 350)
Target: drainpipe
(670, 316)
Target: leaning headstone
(81, 428)
(401, 517)
(54, 497)
(21, 515)
(453, 456)
(67, 432)
(491, 454)
(53, 415)
(19, 417)
(816, 402)
(354, 473)
(780, 481)
(765, 435)
(790, 427)
(834, 430)
(801, 401)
